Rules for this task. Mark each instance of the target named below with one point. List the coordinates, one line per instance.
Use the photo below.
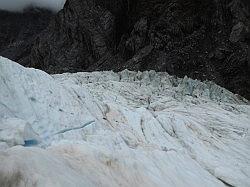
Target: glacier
(120, 129)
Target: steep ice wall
(120, 129)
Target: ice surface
(120, 129)
(17, 132)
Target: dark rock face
(19, 30)
(80, 34)
(204, 39)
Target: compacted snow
(120, 129)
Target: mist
(20, 5)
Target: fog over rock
(20, 5)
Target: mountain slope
(18, 31)
(119, 129)
(206, 40)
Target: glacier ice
(120, 129)
(17, 132)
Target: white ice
(120, 129)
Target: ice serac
(120, 129)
